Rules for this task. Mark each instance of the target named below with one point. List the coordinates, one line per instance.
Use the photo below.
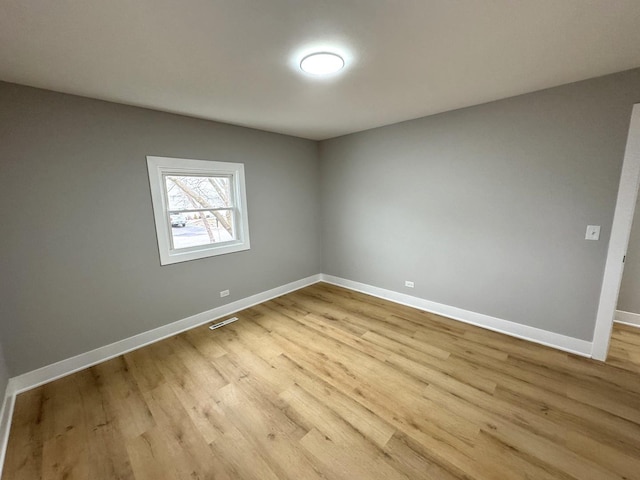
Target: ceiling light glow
(322, 63)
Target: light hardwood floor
(326, 383)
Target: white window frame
(158, 168)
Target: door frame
(619, 239)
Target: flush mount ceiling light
(322, 63)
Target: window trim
(158, 168)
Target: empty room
(330, 239)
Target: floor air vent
(223, 323)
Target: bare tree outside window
(201, 209)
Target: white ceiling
(236, 60)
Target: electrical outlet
(409, 284)
(593, 232)
(224, 293)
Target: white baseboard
(60, 369)
(525, 332)
(68, 366)
(6, 413)
(627, 318)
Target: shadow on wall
(628, 309)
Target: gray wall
(79, 265)
(485, 208)
(629, 298)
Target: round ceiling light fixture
(322, 63)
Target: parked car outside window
(178, 220)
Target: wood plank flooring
(326, 383)
(625, 348)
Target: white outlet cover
(593, 232)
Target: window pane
(202, 228)
(186, 193)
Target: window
(200, 208)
